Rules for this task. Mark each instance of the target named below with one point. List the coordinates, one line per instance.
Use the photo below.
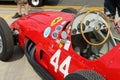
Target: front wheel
(6, 41)
(35, 3)
(84, 75)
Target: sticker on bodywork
(55, 21)
(67, 45)
(54, 35)
(64, 22)
(47, 32)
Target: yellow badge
(55, 21)
(60, 45)
(96, 27)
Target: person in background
(110, 8)
(21, 3)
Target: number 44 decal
(64, 66)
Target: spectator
(112, 6)
(21, 3)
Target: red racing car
(66, 45)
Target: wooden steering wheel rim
(108, 31)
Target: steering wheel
(101, 22)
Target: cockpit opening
(93, 35)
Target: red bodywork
(56, 59)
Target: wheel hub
(35, 2)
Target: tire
(35, 3)
(6, 41)
(84, 75)
(70, 10)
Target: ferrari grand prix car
(66, 45)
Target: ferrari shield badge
(55, 21)
(47, 32)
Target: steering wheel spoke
(88, 29)
(101, 34)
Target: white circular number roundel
(47, 32)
